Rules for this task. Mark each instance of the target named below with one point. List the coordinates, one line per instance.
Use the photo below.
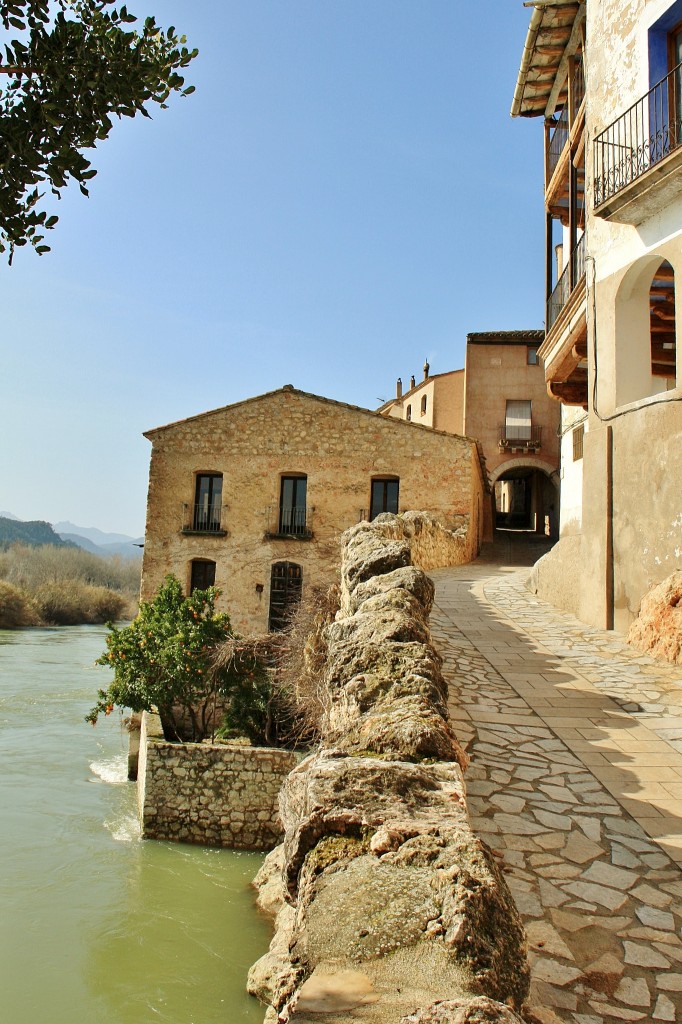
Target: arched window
(408, 414)
(662, 325)
(202, 574)
(423, 405)
(286, 582)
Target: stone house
(253, 497)
(613, 209)
(500, 399)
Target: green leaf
(86, 69)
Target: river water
(95, 924)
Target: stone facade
(389, 906)
(210, 794)
(339, 450)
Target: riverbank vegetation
(163, 661)
(65, 586)
(179, 657)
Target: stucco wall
(252, 444)
(495, 374)
(647, 510)
(571, 472)
(210, 794)
(644, 419)
(449, 402)
(444, 403)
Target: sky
(343, 196)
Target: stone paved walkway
(576, 784)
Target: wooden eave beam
(569, 392)
(562, 71)
(549, 21)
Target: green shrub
(163, 660)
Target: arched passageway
(526, 498)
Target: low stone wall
(212, 794)
(432, 546)
(389, 908)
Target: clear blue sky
(344, 194)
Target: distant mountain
(35, 533)
(14, 530)
(96, 536)
(125, 549)
(81, 542)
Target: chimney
(426, 369)
(399, 388)
(413, 382)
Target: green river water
(96, 926)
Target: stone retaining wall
(212, 794)
(389, 909)
(432, 545)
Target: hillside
(35, 533)
(66, 534)
(97, 537)
(99, 543)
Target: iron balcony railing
(558, 140)
(287, 521)
(202, 519)
(640, 138)
(578, 85)
(572, 275)
(519, 435)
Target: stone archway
(525, 495)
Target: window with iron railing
(518, 429)
(205, 515)
(293, 516)
(648, 132)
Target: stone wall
(339, 448)
(432, 545)
(212, 794)
(388, 907)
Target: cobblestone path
(575, 782)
